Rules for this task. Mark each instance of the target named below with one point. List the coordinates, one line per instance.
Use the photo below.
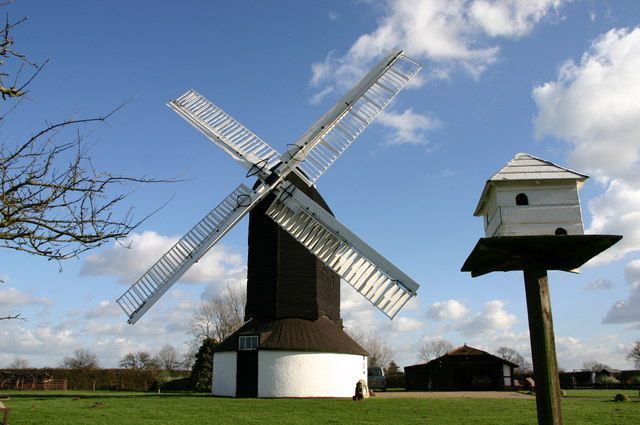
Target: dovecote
(530, 196)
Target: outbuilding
(530, 196)
(462, 369)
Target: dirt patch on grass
(454, 394)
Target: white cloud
(444, 34)
(448, 310)
(145, 249)
(616, 212)
(511, 18)
(408, 127)
(573, 352)
(17, 338)
(449, 33)
(627, 310)
(333, 15)
(104, 309)
(406, 324)
(12, 297)
(493, 317)
(598, 285)
(593, 106)
(317, 98)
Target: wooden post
(543, 347)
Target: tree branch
(16, 317)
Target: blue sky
(557, 79)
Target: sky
(553, 78)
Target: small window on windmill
(522, 199)
(248, 342)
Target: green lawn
(114, 408)
(607, 394)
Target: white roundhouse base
(293, 374)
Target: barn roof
(465, 350)
(322, 335)
(526, 167)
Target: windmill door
(247, 371)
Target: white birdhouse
(531, 196)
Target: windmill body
(293, 313)
(292, 343)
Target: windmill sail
(245, 147)
(187, 251)
(357, 263)
(352, 259)
(323, 143)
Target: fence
(86, 379)
(32, 383)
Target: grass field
(115, 408)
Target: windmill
(292, 343)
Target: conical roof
(526, 167)
(295, 334)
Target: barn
(464, 368)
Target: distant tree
(81, 359)
(138, 360)
(634, 354)
(202, 371)
(380, 354)
(434, 348)
(219, 316)
(19, 363)
(392, 369)
(594, 366)
(189, 358)
(515, 357)
(167, 358)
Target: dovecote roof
(526, 167)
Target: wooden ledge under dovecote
(509, 253)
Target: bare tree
(514, 357)
(380, 354)
(634, 354)
(13, 62)
(189, 358)
(593, 366)
(138, 360)
(19, 363)
(81, 359)
(219, 316)
(53, 203)
(167, 358)
(434, 348)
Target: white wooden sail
(323, 143)
(372, 275)
(187, 251)
(249, 150)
